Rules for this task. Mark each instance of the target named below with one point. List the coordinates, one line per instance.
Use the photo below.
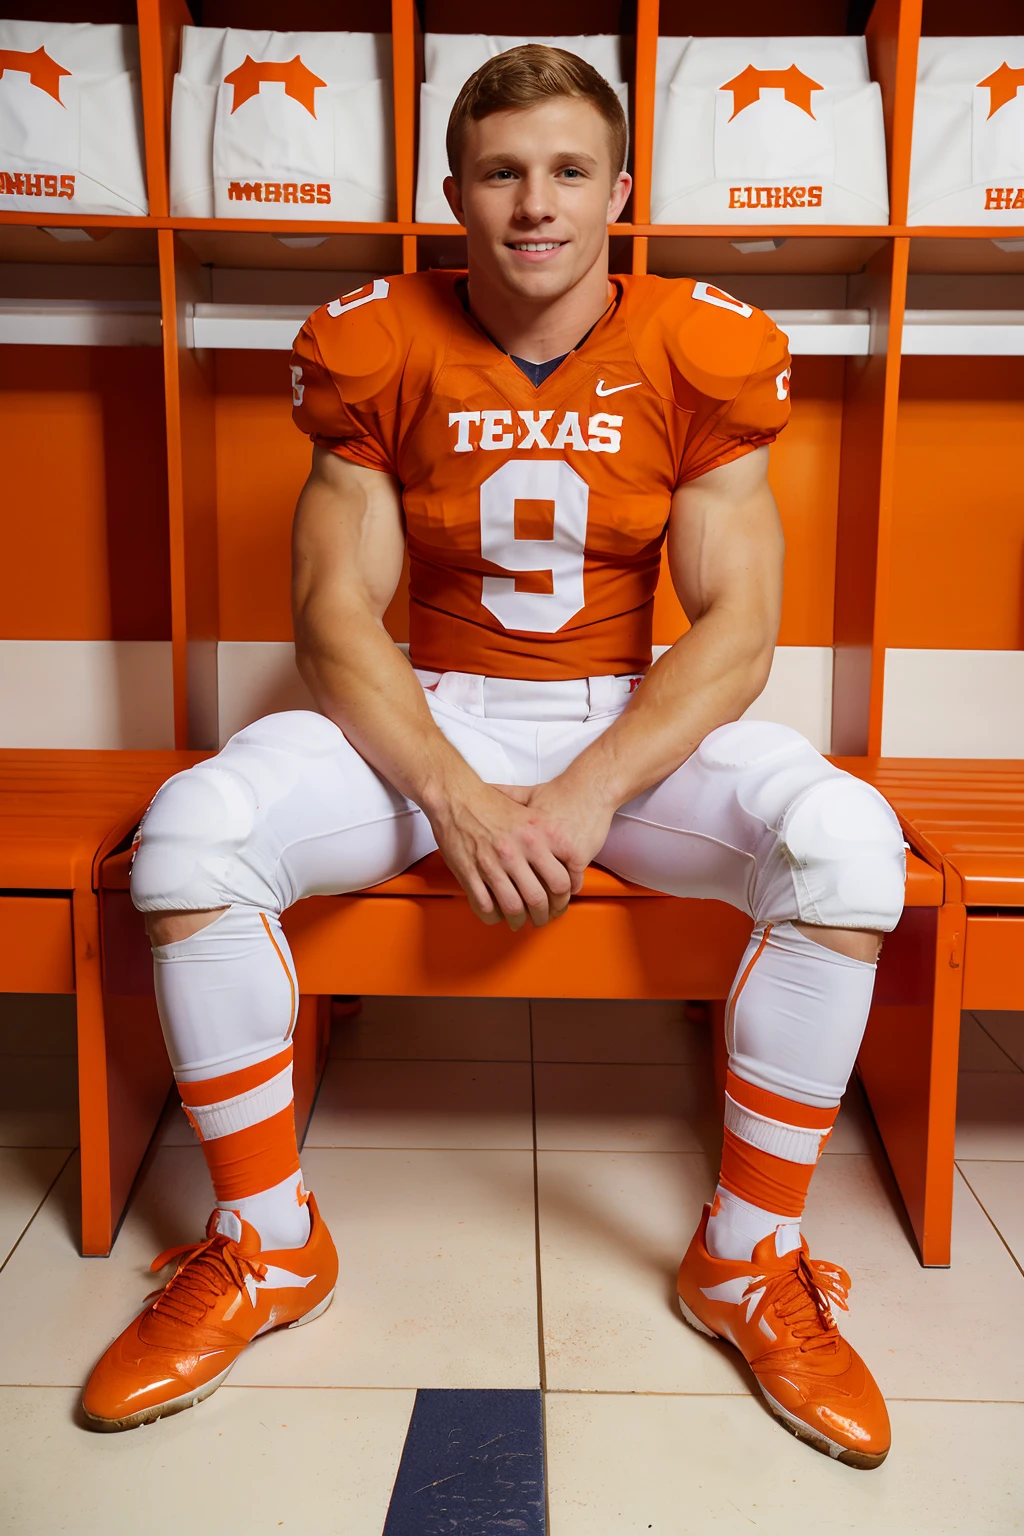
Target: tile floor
(511, 1185)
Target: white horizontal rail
(80, 322)
(248, 327)
(963, 333)
(825, 332)
(272, 327)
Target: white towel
(288, 125)
(967, 159)
(767, 130)
(71, 119)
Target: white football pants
(755, 817)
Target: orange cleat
(223, 1293)
(778, 1314)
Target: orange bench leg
(908, 1065)
(123, 1073)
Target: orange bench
(61, 812)
(965, 818)
(415, 936)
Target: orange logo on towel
(747, 86)
(43, 72)
(299, 82)
(1003, 84)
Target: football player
(532, 433)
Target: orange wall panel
(958, 522)
(85, 495)
(262, 461)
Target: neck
(538, 330)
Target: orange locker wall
(85, 493)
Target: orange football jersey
(535, 515)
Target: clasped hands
(520, 853)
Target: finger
(532, 891)
(555, 878)
(480, 898)
(509, 902)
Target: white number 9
(525, 480)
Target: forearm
(362, 681)
(709, 677)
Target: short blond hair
(524, 76)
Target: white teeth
(549, 245)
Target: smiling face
(536, 194)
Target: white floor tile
(38, 1101)
(26, 1174)
(437, 1283)
(258, 1460)
(441, 1028)
(606, 1108)
(37, 1024)
(854, 1130)
(999, 1187)
(613, 1229)
(424, 1104)
(923, 1332)
(571, 1030)
(979, 1051)
(990, 1116)
(58, 1311)
(1007, 1029)
(695, 1465)
(174, 1130)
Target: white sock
(227, 998)
(280, 1215)
(737, 1227)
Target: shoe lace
(803, 1297)
(205, 1272)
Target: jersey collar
(471, 346)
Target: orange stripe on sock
(254, 1159)
(287, 971)
(763, 1180)
(774, 1107)
(213, 1090)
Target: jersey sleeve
(345, 376)
(723, 430)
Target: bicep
(348, 538)
(725, 545)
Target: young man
(532, 435)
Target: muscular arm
(725, 550)
(347, 549)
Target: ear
(453, 193)
(620, 192)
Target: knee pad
(845, 849)
(744, 743)
(195, 831)
(191, 835)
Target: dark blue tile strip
(473, 1465)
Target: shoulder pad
(694, 336)
(366, 337)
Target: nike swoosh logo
(600, 389)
